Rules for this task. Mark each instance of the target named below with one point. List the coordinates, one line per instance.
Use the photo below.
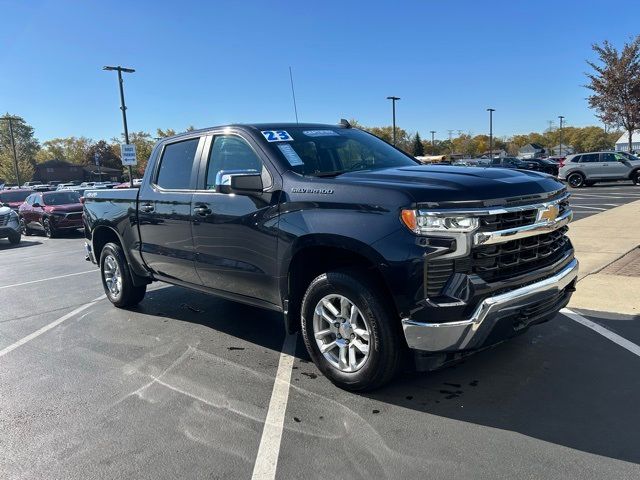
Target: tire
(576, 180)
(49, 230)
(365, 371)
(15, 238)
(24, 229)
(116, 278)
(636, 177)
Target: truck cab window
(176, 165)
(230, 153)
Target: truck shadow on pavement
(23, 243)
(559, 382)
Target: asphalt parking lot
(182, 386)
(602, 196)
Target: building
(531, 150)
(562, 150)
(494, 154)
(62, 171)
(622, 145)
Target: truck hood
(67, 208)
(459, 186)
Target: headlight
(424, 223)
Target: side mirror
(239, 181)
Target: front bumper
(497, 317)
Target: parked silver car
(9, 225)
(588, 168)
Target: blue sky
(208, 63)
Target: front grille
(74, 215)
(4, 219)
(505, 260)
(502, 221)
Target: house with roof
(63, 171)
(622, 145)
(562, 150)
(531, 150)
(499, 153)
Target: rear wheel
(576, 180)
(636, 177)
(352, 337)
(24, 229)
(116, 278)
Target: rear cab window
(177, 164)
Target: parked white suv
(588, 168)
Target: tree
(70, 149)
(26, 148)
(169, 132)
(615, 84)
(108, 155)
(418, 147)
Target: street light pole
(491, 110)
(561, 119)
(9, 118)
(123, 107)
(433, 145)
(393, 102)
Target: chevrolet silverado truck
(374, 257)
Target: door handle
(202, 210)
(147, 207)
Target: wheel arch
(103, 234)
(318, 254)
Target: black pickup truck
(370, 254)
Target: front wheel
(576, 180)
(352, 337)
(636, 177)
(15, 238)
(116, 278)
(49, 231)
(24, 229)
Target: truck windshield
(327, 152)
(61, 198)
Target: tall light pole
(393, 102)
(561, 119)
(433, 144)
(123, 107)
(491, 110)
(10, 119)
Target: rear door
(235, 235)
(164, 211)
(590, 165)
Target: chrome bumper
(472, 333)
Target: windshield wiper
(333, 173)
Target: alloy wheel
(341, 333)
(112, 275)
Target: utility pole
(123, 107)
(393, 102)
(491, 110)
(561, 119)
(433, 145)
(450, 141)
(10, 119)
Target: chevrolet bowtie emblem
(549, 213)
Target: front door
(164, 212)
(614, 166)
(235, 236)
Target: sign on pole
(96, 158)
(128, 154)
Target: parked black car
(545, 166)
(360, 247)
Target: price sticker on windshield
(277, 136)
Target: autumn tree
(71, 149)
(108, 155)
(615, 83)
(26, 149)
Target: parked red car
(51, 212)
(14, 198)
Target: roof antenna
(293, 94)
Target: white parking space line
(48, 327)
(47, 279)
(614, 337)
(588, 207)
(269, 449)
